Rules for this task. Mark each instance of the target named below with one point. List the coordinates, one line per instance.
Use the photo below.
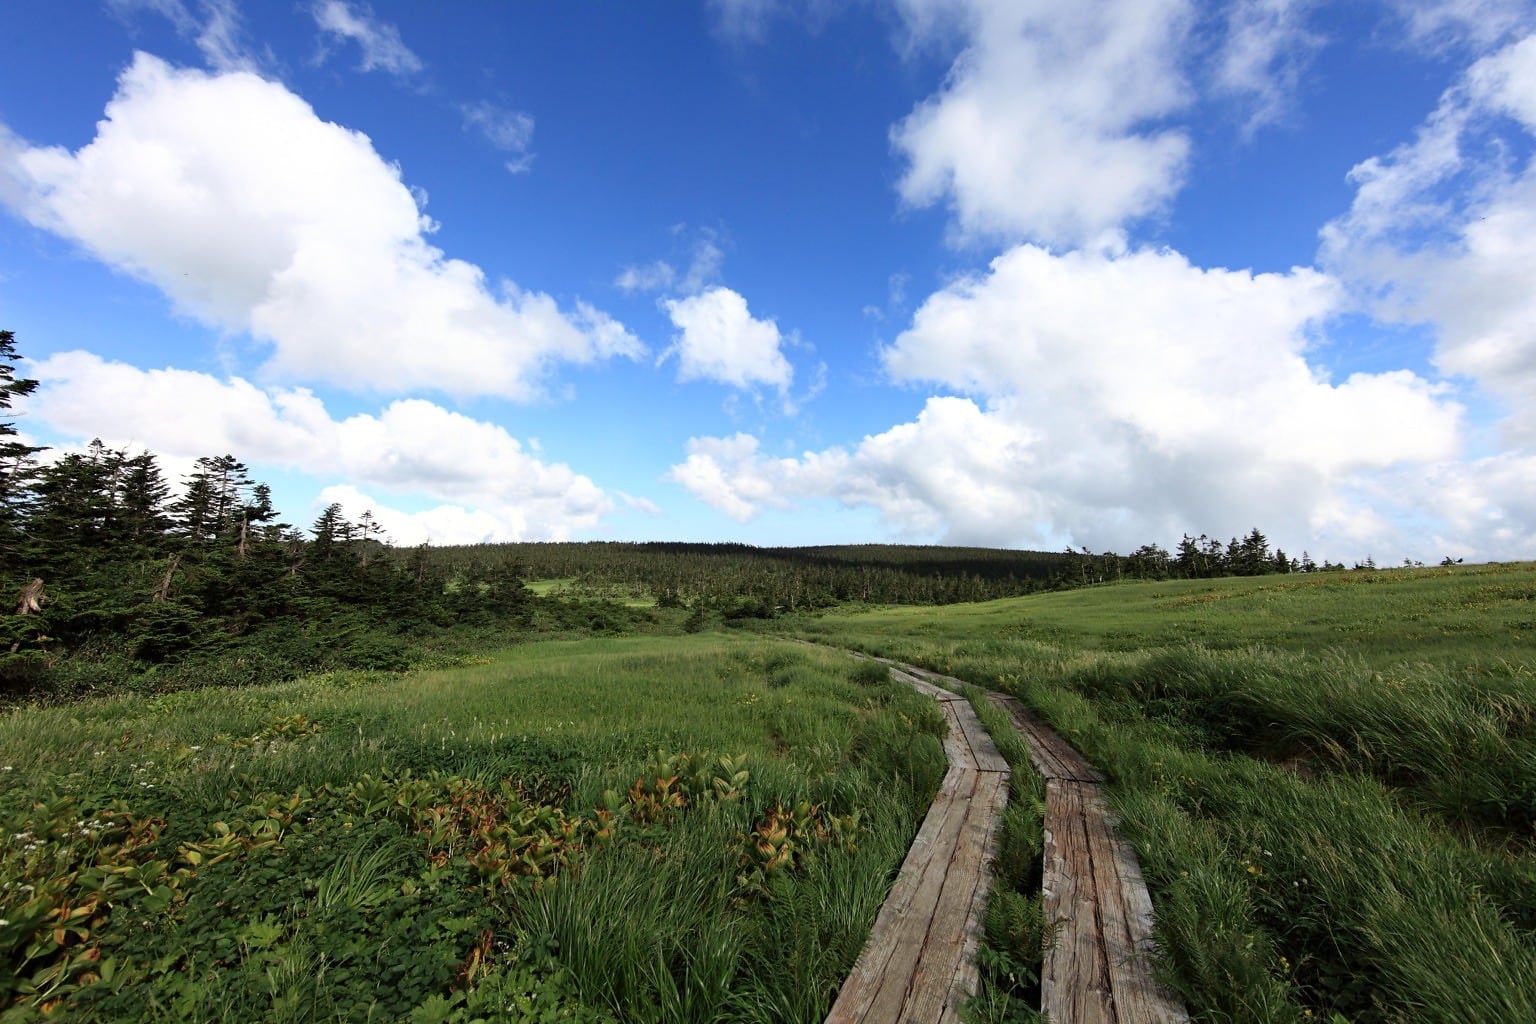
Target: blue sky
(1020, 273)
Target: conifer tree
(16, 458)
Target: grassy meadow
(642, 829)
(1330, 778)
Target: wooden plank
(897, 981)
(1139, 997)
(864, 984)
(956, 749)
(923, 686)
(967, 979)
(1053, 756)
(945, 974)
(1074, 981)
(1114, 929)
(984, 752)
(920, 962)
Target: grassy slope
(1331, 779)
(341, 902)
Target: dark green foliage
(108, 580)
(742, 581)
(16, 464)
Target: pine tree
(214, 504)
(16, 459)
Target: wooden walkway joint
(919, 964)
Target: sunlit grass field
(647, 829)
(1331, 778)
(572, 585)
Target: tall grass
(318, 846)
(1331, 779)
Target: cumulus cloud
(380, 42)
(441, 524)
(1112, 398)
(722, 341)
(1442, 231)
(510, 131)
(1050, 124)
(492, 487)
(251, 213)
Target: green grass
(571, 586)
(451, 845)
(1331, 778)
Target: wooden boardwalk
(919, 964)
(1099, 966)
(920, 961)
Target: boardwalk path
(919, 964)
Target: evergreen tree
(142, 502)
(16, 459)
(214, 504)
(1251, 557)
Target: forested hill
(788, 578)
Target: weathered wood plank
(896, 983)
(966, 979)
(1139, 997)
(1053, 756)
(945, 973)
(984, 750)
(1074, 980)
(903, 908)
(920, 961)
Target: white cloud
(704, 259)
(510, 131)
(1443, 231)
(487, 477)
(213, 25)
(442, 524)
(1121, 398)
(1444, 24)
(743, 21)
(1267, 48)
(722, 341)
(1050, 124)
(230, 195)
(649, 278)
(380, 42)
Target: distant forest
(111, 577)
(733, 577)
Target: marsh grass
(1014, 929)
(1330, 779)
(291, 874)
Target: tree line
(109, 571)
